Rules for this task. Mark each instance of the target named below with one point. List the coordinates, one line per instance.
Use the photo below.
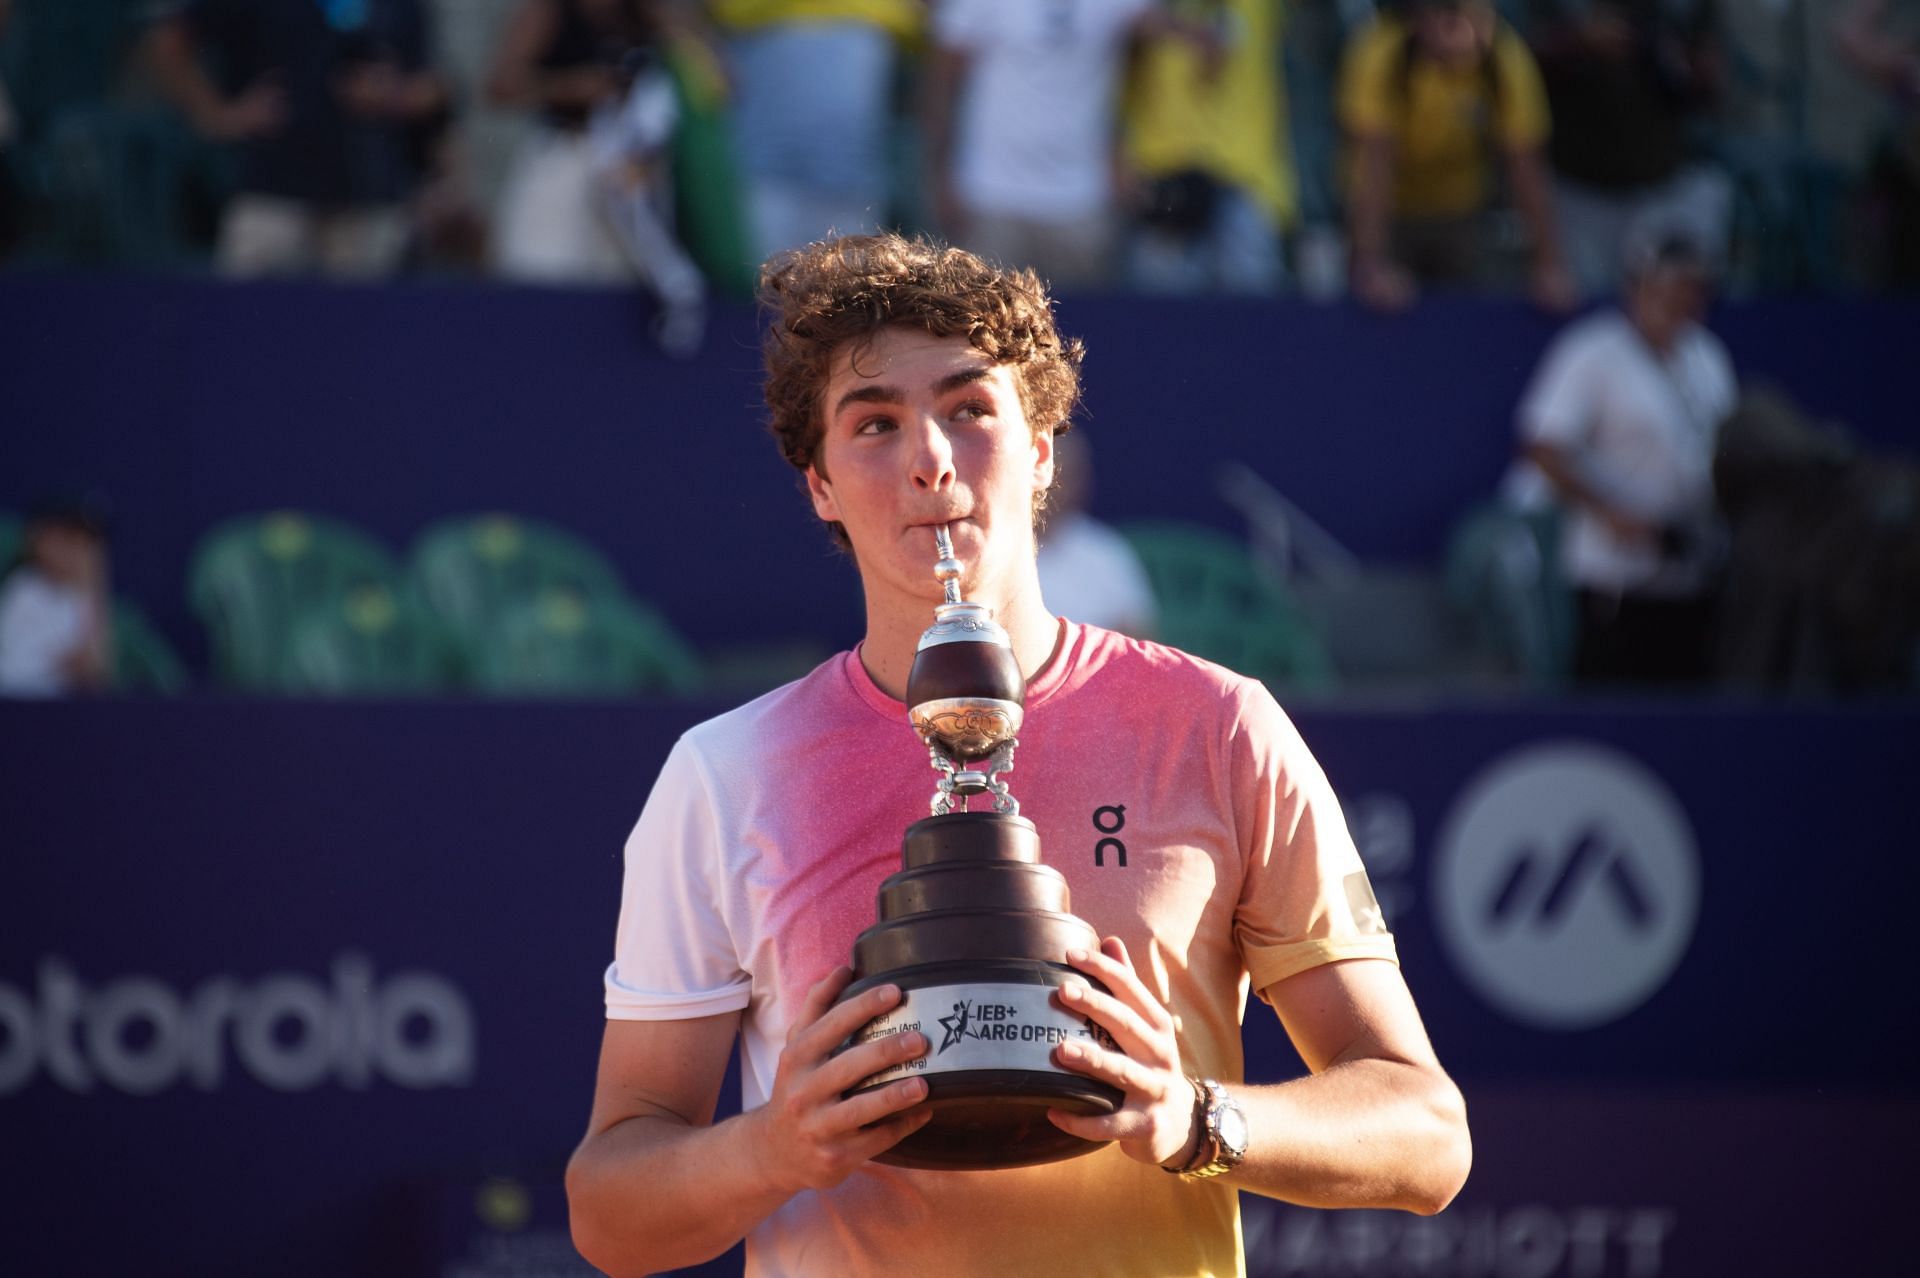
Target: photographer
(1621, 420)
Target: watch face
(1233, 1129)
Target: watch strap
(1211, 1154)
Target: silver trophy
(973, 928)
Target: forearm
(653, 1193)
(1527, 175)
(1564, 475)
(170, 55)
(1367, 1133)
(1371, 205)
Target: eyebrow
(882, 394)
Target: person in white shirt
(55, 614)
(1621, 420)
(1022, 128)
(1088, 570)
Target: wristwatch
(1222, 1126)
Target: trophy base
(973, 929)
(994, 1118)
(991, 1028)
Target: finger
(1123, 981)
(826, 1029)
(838, 1023)
(880, 1104)
(1097, 1127)
(884, 1137)
(1130, 1076)
(1136, 1037)
(821, 994)
(867, 1059)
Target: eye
(877, 425)
(973, 409)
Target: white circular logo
(1566, 885)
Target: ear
(1043, 461)
(820, 489)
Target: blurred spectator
(1207, 133)
(590, 197)
(812, 83)
(1088, 571)
(1621, 420)
(1623, 77)
(1825, 551)
(1427, 91)
(328, 104)
(56, 613)
(1891, 61)
(9, 136)
(1021, 129)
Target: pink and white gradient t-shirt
(1189, 820)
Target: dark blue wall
(206, 845)
(222, 849)
(192, 401)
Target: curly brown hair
(823, 296)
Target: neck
(1655, 332)
(893, 634)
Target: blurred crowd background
(1522, 390)
(1189, 145)
(1617, 165)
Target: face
(1452, 35)
(1666, 299)
(923, 430)
(63, 553)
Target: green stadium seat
(253, 579)
(373, 640)
(142, 660)
(1503, 573)
(1216, 602)
(567, 644)
(473, 570)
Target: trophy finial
(947, 570)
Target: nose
(931, 464)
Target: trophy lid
(963, 623)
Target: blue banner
(189, 402)
(315, 988)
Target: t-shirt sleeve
(21, 664)
(1523, 120)
(674, 956)
(1558, 405)
(1305, 898)
(961, 24)
(1723, 384)
(1367, 91)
